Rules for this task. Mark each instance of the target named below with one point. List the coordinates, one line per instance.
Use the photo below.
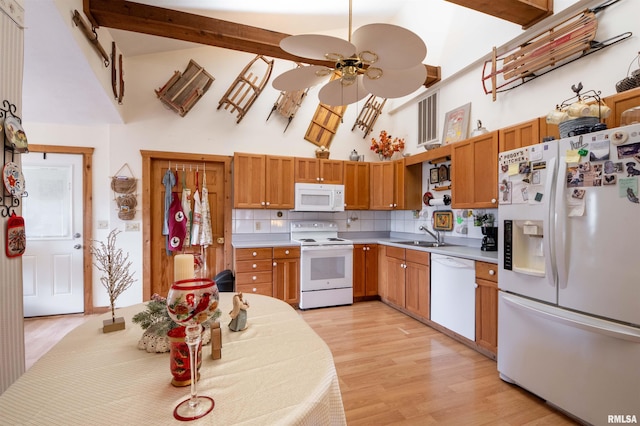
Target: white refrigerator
(569, 273)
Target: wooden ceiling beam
(174, 24)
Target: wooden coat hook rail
(91, 35)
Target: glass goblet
(191, 302)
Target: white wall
(469, 36)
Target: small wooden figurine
(238, 314)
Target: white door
(52, 265)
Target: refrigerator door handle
(575, 320)
(551, 243)
(560, 224)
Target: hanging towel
(186, 208)
(168, 180)
(177, 224)
(206, 238)
(197, 216)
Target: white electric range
(326, 264)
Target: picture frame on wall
(434, 176)
(456, 124)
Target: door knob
(77, 246)
(220, 240)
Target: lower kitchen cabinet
(417, 284)
(487, 306)
(365, 271)
(254, 270)
(286, 274)
(271, 271)
(406, 275)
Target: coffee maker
(490, 239)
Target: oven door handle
(326, 247)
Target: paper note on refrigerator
(572, 156)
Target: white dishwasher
(453, 294)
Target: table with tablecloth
(277, 371)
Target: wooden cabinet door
(371, 270)
(619, 103)
(396, 281)
(381, 184)
(248, 181)
(359, 272)
(331, 172)
(383, 267)
(286, 274)
(307, 170)
(356, 185)
(519, 135)
(279, 182)
(487, 315)
(474, 171)
(417, 282)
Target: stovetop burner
(317, 233)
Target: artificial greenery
(155, 317)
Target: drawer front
(262, 288)
(286, 252)
(254, 253)
(257, 277)
(253, 265)
(417, 256)
(487, 271)
(396, 252)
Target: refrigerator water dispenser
(524, 247)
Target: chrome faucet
(437, 235)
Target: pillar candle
(183, 267)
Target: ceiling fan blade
(315, 46)
(335, 94)
(397, 83)
(396, 47)
(301, 77)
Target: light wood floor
(392, 370)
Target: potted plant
(116, 278)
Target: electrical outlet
(103, 224)
(258, 226)
(132, 226)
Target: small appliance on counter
(490, 239)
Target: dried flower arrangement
(387, 146)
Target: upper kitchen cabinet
(393, 185)
(262, 181)
(523, 134)
(619, 103)
(356, 185)
(315, 170)
(474, 172)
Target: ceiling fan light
(368, 57)
(334, 57)
(373, 73)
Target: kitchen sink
(418, 243)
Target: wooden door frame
(87, 218)
(147, 158)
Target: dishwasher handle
(453, 262)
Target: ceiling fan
(380, 59)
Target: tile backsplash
(247, 221)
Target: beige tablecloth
(277, 372)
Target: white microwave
(319, 197)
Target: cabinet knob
(254, 278)
(254, 254)
(390, 205)
(475, 285)
(268, 203)
(255, 290)
(286, 252)
(318, 179)
(321, 179)
(493, 201)
(262, 203)
(254, 266)
(492, 272)
(275, 263)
